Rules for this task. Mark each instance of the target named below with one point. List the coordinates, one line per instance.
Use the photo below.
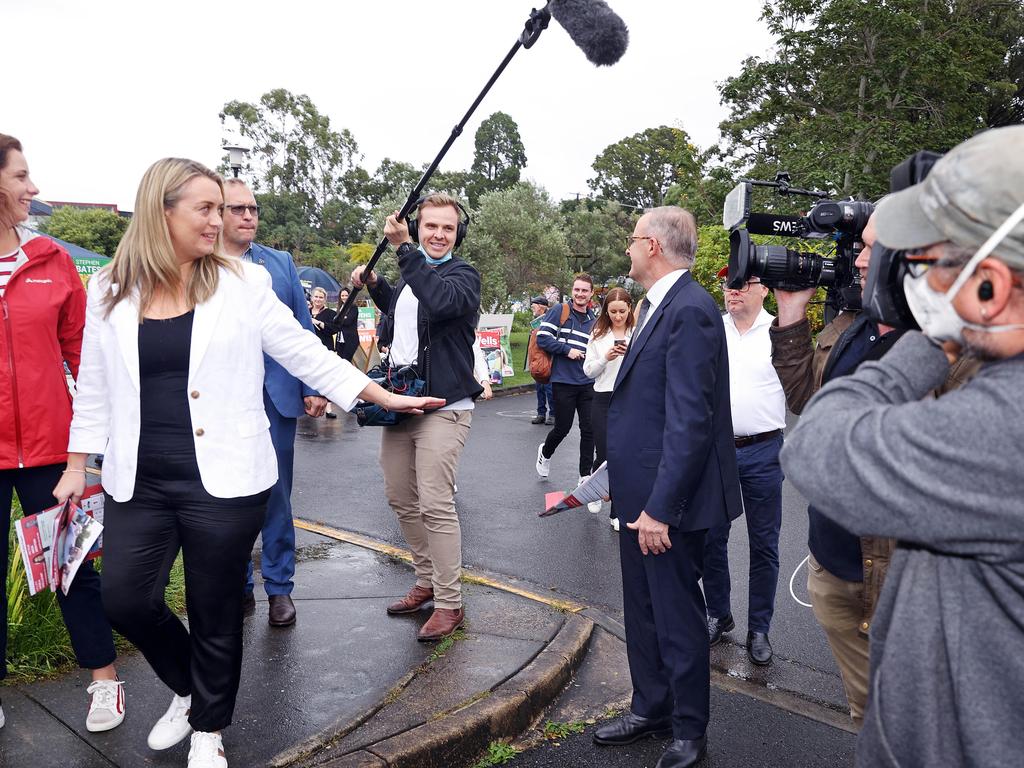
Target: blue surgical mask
(434, 262)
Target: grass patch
(498, 753)
(38, 645)
(555, 731)
(445, 645)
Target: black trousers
(171, 511)
(82, 608)
(570, 399)
(599, 421)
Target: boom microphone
(594, 27)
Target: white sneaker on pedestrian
(106, 709)
(173, 726)
(614, 522)
(206, 751)
(595, 506)
(543, 465)
(2, 720)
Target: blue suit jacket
(670, 440)
(286, 392)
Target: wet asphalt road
(338, 481)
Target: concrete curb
(460, 736)
(518, 389)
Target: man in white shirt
(758, 417)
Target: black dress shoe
(758, 648)
(718, 627)
(248, 604)
(282, 611)
(683, 753)
(538, 419)
(630, 728)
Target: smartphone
(620, 343)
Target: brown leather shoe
(282, 611)
(442, 622)
(418, 597)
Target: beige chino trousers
(419, 458)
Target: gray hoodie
(946, 477)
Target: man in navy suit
(672, 473)
(285, 399)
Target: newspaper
(594, 488)
(36, 535)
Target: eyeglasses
(631, 238)
(724, 285)
(239, 210)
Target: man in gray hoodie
(942, 475)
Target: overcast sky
(107, 87)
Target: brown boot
(418, 597)
(442, 622)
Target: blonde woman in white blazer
(170, 391)
(609, 339)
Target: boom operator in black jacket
(449, 307)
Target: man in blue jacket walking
(285, 399)
(572, 390)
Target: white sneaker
(2, 720)
(595, 506)
(173, 726)
(543, 465)
(207, 751)
(106, 709)
(614, 522)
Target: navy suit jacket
(286, 392)
(670, 440)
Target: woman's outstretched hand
(416, 405)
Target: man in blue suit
(285, 399)
(672, 473)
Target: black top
(833, 546)
(163, 380)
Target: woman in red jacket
(42, 312)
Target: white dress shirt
(657, 292)
(758, 400)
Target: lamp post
(236, 157)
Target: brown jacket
(800, 365)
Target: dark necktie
(645, 307)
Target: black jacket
(449, 305)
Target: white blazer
(230, 333)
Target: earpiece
(460, 232)
(985, 292)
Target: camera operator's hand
(357, 278)
(793, 305)
(576, 354)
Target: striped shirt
(11, 262)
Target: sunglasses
(239, 210)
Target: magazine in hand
(36, 535)
(594, 488)
(74, 534)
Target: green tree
(517, 243)
(854, 87)
(596, 235)
(393, 179)
(295, 149)
(95, 229)
(640, 169)
(498, 158)
(284, 222)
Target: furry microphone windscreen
(594, 27)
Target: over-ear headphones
(460, 232)
(985, 292)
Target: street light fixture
(236, 157)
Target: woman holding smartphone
(608, 342)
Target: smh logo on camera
(784, 227)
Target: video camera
(790, 270)
(884, 300)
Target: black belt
(743, 442)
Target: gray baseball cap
(540, 300)
(969, 193)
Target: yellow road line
(403, 554)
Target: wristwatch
(406, 248)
